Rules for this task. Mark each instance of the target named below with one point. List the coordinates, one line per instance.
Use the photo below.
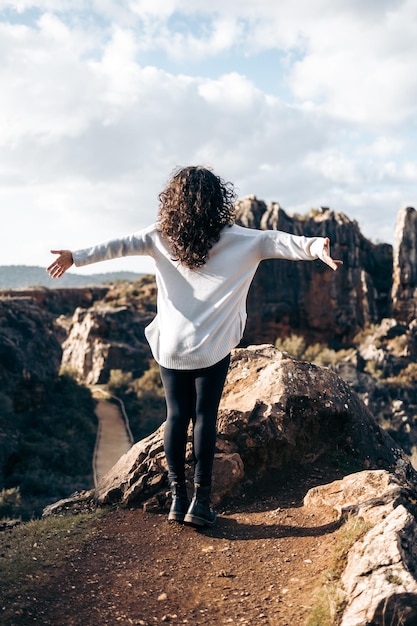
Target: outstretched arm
(61, 264)
(326, 258)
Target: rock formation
(308, 297)
(381, 369)
(404, 289)
(105, 338)
(379, 584)
(109, 334)
(59, 301)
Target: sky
(307, 103)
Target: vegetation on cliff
(52, 448)
(142, 397)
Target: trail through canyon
(113, 436)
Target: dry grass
(29, 550)
(330, 598)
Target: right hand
(61, 264)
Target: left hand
(333, 263)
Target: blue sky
(303, 102)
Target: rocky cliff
(404, 289)
(47, 423)
(30, 353)
(308, 297)
(106, 338)
(110, 334)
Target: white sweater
(201, 313)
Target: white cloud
(335, 166)
(48, 89)
(385, 146)
(230, 91)
(98, 108)
(399, 172)
(216, 37)
(353, 60)
(117, 71)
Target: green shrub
(143, 398)
(150, 382)
(119, 382)
(318, 353)
(10, 503)
(295, 345)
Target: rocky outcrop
(382, 370)
(308, 297)
(105, 338)
(275, 412)
(404, 288)
(379, 583)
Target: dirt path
(113, 437)
(259, 566)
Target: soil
(259, 565)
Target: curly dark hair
(194, 208)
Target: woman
(204, 266)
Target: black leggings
(192, 395)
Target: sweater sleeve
(277, 244)
(135, 244)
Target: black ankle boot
(200, 512)
(180, 502)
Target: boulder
(380, 577)
(369, 494)
(275, 412)
(379, 583)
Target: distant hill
(26, 276)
